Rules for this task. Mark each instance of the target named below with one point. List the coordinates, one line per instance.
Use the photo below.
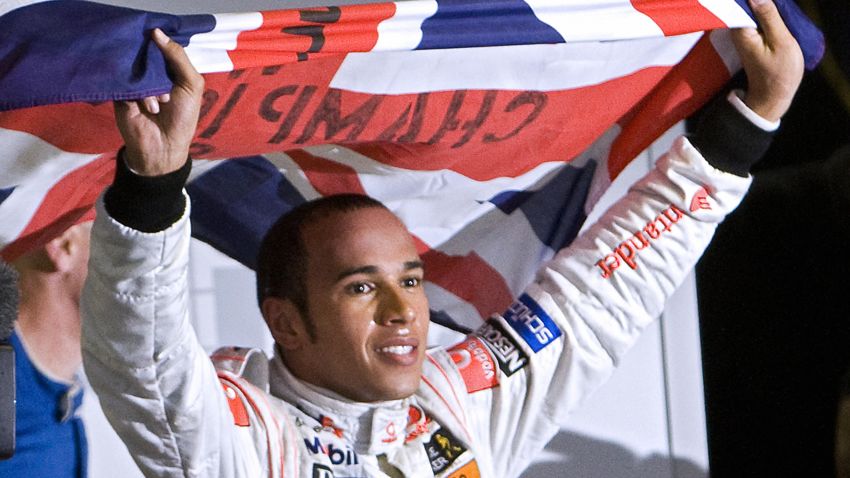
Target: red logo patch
(700, 200)
(389, 433)
(475, 364)
(237, 407)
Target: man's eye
(360, 288)
(411, 282)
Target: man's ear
(59, 253)
(285, 322)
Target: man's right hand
(772, 60)
(158, 131)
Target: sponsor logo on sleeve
(643, 239)
(700, 200)
(510, 356)
(475, 364)
(532, 323)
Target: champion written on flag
(486, 126)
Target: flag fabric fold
(486, 126)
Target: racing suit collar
(373, 428)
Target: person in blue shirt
(49, 434)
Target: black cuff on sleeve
(728, 140)
(146, 203)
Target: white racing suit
(485, 407)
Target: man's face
(366, 301)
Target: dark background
(774, 292)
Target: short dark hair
(282, 260)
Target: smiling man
(352, 390)
(347, 286)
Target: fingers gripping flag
(486, 126)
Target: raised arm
(564, 336)
(155, 382)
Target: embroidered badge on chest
(450, 457)
(475, 365)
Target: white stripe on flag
(404, 30)
(293, 173)
(589, 20)
(522, 67)
(500, 232)
(458, 309)
(32, 166)
(434, 205)
(489, 238)
(208, 51)
(729, 13)
(722, 42)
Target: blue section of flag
(510, 200)
(5, 193)
(234, 204)
(66, 51)
(532, 323)
(466, 23)
(444, 319)
(556, 211)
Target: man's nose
(396, 307)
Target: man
(49, 434)
(352, 390)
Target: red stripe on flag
(74, 127)
(480, 134)
(67, 203)
(689, 86)
(489, 134)
(287, 36)
(488, 293)
(680, 17)
(328, 177)
(259, 110)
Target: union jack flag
(490, 127)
